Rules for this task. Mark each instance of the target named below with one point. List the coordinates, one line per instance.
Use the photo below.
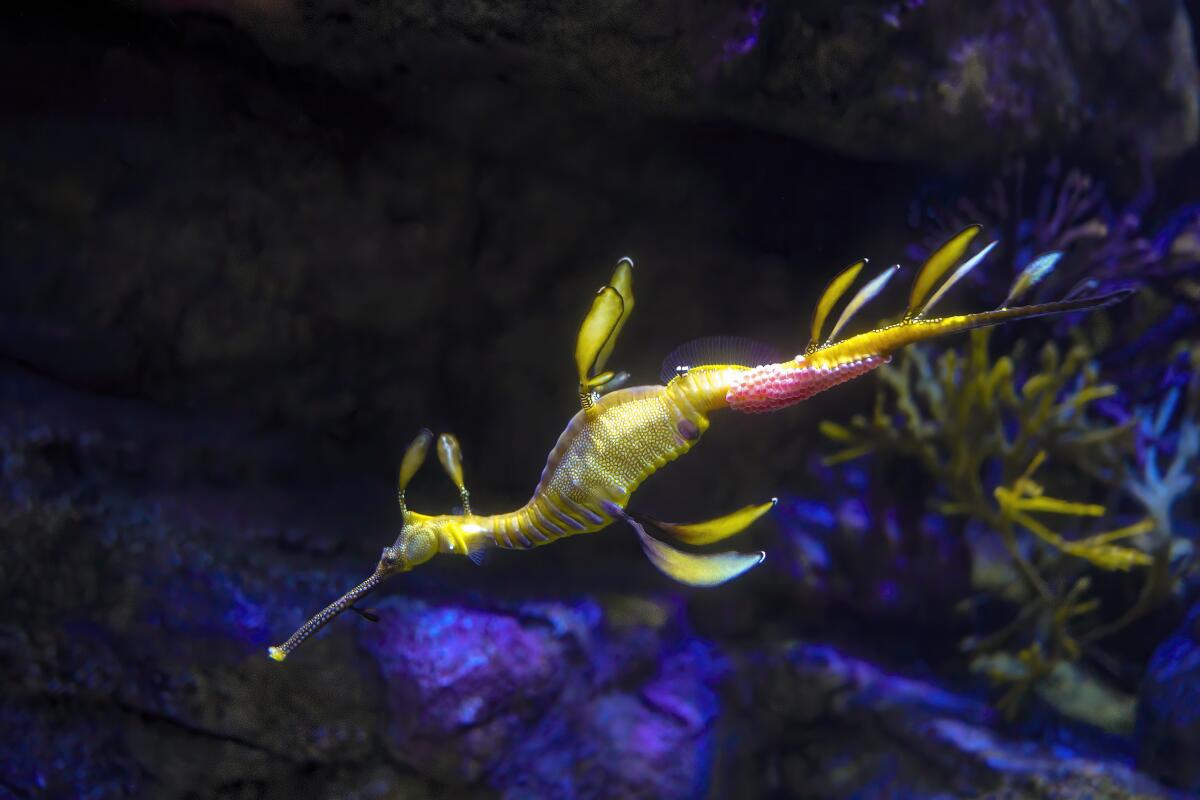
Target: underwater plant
(1020, 453)
(619, 438)
(1103, 242)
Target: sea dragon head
(416, 544)
(421, 537)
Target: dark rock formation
(1169, 708)
(142, 592)
(242, 261)
(930, 80)
(188, 222)
(841, 727)
(140, 604)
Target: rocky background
(249, 247)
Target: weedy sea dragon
(622, 436)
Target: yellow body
(619, 439)
(608, 449)
(601, 458)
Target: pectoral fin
(692, 568)
(714, 530)
(478, 554)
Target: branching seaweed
(1022, 454)
(1065, 209)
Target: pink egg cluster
(775, 386)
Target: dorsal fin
(936, 266)
(833, 292)
(865, 295)
(958, 275)
(714, 350)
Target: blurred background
(250, 247)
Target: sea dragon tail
(827, 363)
(887, 340)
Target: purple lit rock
(653, 740)
(463, 684)
(139, 647)
(525, 697)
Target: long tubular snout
(323, 618)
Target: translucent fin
(478, 554)
(1033, 274)
(611, 307)
(936, 266)
(833, 292)
(958, 275)
(715, 530)
(864, 296)
(713, 350)
(694, 569)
